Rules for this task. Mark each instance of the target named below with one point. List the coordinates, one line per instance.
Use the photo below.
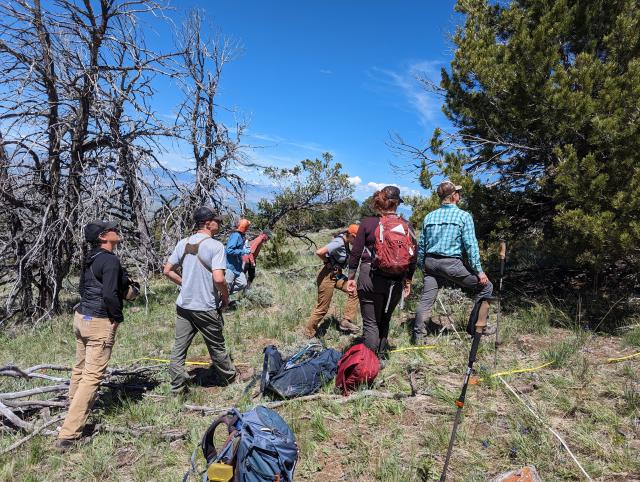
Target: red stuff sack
(357, 366)
(395, 245)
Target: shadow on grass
(131, 388)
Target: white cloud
(425, 103)
(326, 71)
(355, 180)
(371, 187)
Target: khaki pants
(326, 283)
(94, 341)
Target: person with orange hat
(335, 256)
(235, 277)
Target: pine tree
(545, 99)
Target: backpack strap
(192, 249)
(230, 419)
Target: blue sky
(329, 76)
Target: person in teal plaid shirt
(447, 234)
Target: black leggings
(378, 297)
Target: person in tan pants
(335, 256)
(102, 287)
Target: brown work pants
(94, 341)
(326, 283)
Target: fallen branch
(29, 404)
(325, 397)
(14, 419)
(33, 391)
(34, 433)
(14, 371)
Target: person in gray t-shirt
(203, 293)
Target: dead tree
(216, 148)
(56, 142)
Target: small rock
(525, 474)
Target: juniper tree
(544, 97)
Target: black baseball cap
(203, 214)
(392, 192)
(94, 229)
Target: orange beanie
(243, 225)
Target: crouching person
(203, 293)
(335, 256)
(103, 284)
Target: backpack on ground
(359, 365)
(260, 447)
(395, 245)
(302, 374)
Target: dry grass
(594, 405)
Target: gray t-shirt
(337, 252)
(198, 292)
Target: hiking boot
(309, 332)
(417, 340)
(62, 445)
(489, 330)
(347, 326)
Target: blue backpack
(302, 374)
(260, 446)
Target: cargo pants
(211, 325)
(326, 283)
(94, 341)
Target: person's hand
(246, 251)
(114, 325)
(224, 300)
(406, 291)
(351, 286)
(482, 279)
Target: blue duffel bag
(302, 374)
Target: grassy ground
(594, 405)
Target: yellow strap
(615, 360)
(425, 347)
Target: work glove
(246, 251)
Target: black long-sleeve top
(102, 285)
(366, 239)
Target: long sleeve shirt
(363, 246)
(101, 286)
(449, 231)
(235, 250)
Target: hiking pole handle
(503, 256)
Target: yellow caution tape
(164, 360)
(520, 370)
(623, 358)
(410, 348)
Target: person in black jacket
(103, 284)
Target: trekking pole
(460, 402)
(503, 256)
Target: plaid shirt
(448, 231)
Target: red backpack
(395, 245)
(357, 366)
